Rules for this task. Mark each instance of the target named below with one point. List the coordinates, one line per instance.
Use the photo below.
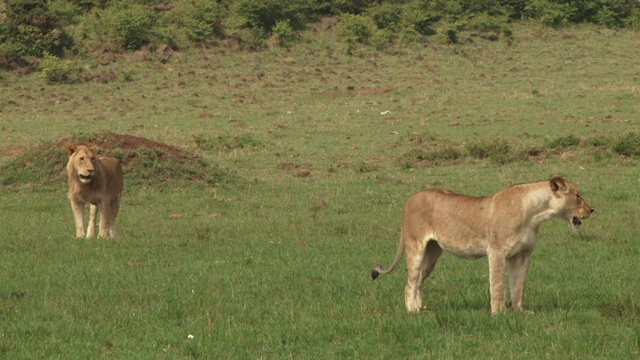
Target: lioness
(503, 227)
(97, 181)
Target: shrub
(32, 29)
(482, 149)
(491, 26)
(564, 141)
(57, 70)
(65, 11)
(200, 20)
(448, 32)
(385, 15)
(283, 32)
(225, 143)
(30, 12)
(613, 13)
(497, 150)
(356, 28)
(628, 144)
(10, 53)
(445, 152)
(263, 14)
(127, 23)
(550, 13)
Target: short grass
(274, 265)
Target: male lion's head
(575, 208)
(82, 162)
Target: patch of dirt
(11, 151)
(111, 141)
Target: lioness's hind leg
(415, 255)
(105, 220)
(432, 254)
(115, 208)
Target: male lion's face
(82, 160)
(576, 207)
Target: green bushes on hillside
(68, 27)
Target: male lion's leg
(415, 252)
(115, 208)
(518, 268)
(78, 217)
(91, 228)
(497, 262)
(105, 219)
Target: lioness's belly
(464, 249)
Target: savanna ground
(256, 239)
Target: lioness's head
(82, 162)
(575, 208)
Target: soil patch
(110, 142)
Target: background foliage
(71, 27)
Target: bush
(550, 13)
(10, 54)
(57, 70)
(30, 12)
(128, 23)
(448, 32)
(264, 14)
(564, 142)
(385, 15)
(200, 20)
(445, 152)
(613, 13)
(33, 29)
(356, 28)
(482, 149)
(65, 11)
(490, 26)
(628, 145)
(283, 32)
(497, 150)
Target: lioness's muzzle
(576, 221)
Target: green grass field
(270, 265)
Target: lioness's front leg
(497, 262)
(78, 216)
(518, 268)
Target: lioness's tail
(377, 268)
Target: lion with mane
(97, 181)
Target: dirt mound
(145, 161)
(112, 142)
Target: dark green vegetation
(291, 169)
(59, 31)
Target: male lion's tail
(377, 268)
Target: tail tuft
(376, 271)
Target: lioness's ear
(71, 149)
(93, 147)
(558, 183)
